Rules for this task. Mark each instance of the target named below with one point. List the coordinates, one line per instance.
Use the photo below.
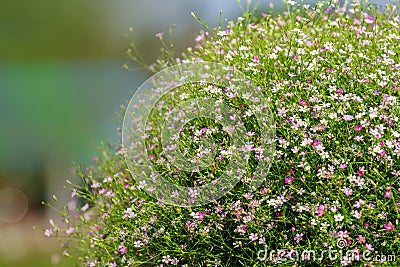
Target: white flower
(300, 191)
(184, 96)
(128, 213)
(337, 203)
(221, 33)
(338, 217)
(324, 226)
(334, 208)
(330, 46)
(332, 116)
(373, 112)
(273, 56)
(142, 184)
(323, 154)
(382, 215)
(290, 2)
(295, 149)
(237, 244)
(137, 244)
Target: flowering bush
(330, 74)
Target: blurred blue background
(61, 82)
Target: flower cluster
(330, 73)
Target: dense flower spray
(330, 73)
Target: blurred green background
(61, 82)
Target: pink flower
(360, 239)
(198, 215)
(389, 226)
(49, 232)
(303, 103)
(347, 117)
(102, 191)
(85, 207)
(289, 180)
(321, 210)
(315, 143)
(122, 248)
(70, 231)
(358, 128)
(347, 191)
(388, 194)
(359, 138)
(298, 238)
(159, 35)
(264, 191)
(369, 246)
(369, 20)
(358, 203)
(253, 236)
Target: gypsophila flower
(328, 73)
(338, 217)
